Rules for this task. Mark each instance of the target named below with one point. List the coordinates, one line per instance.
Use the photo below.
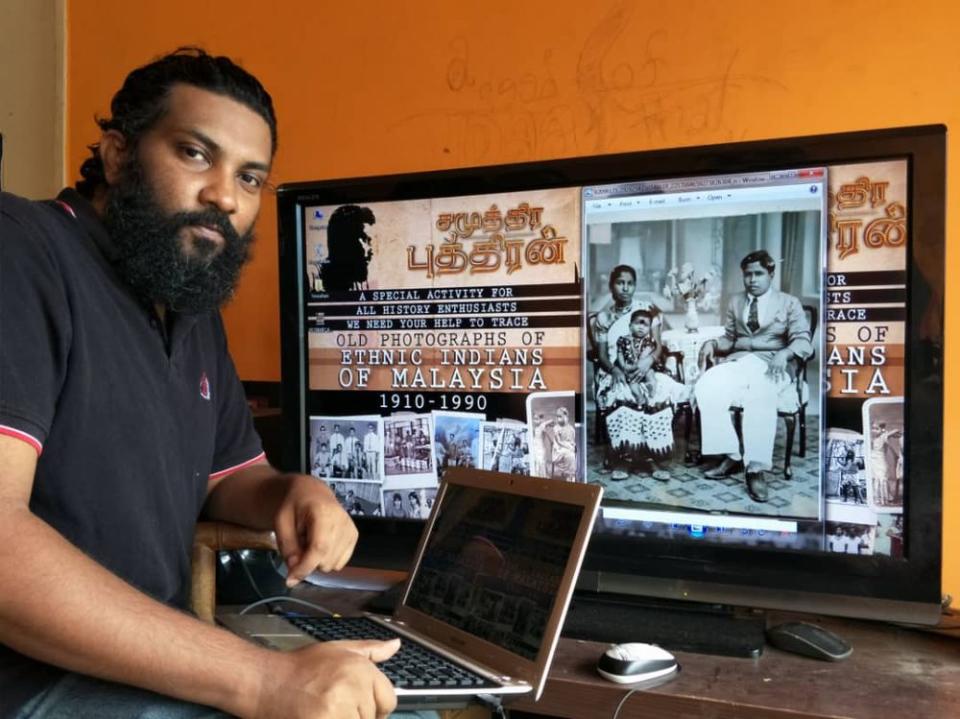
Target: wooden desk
(893, 672)
(899, 673)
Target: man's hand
(313, 530)
(329, 680)
(777, 369)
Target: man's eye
(252, 182)
(193, 153)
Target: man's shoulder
(38, 228)
(785, 298)
(15, 205)
(31, 216)
(738, 301)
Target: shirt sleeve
(798, 329)
(35, 324)
(730, 322)
(238, 444)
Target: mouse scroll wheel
(621, 653)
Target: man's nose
(220, 192)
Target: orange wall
(385, 86)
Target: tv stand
(674, 625)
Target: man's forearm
(723, 346)
(61, 607)
(250, 497)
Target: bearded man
(122, 421)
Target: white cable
(616, 712)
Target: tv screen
(741, 343)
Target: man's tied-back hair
(761, 256)
(142, 100)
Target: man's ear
(113, 154)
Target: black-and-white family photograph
(409, 503)
(704, 356)
(553, 435)
(358, 498)
(889, 535)
(844, 467)
(407, 448)
(346, 447)
(883, 429)
(850, 537)
(456, 439)
(504, 447)
(849, 528)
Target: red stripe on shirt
(29, 439)
(69, 210)
(236, 467)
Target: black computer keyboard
(413, 666)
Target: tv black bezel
(872, 587)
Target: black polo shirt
(129, 423)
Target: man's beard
(151, 257)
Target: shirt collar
(81, 209)
(762, 300)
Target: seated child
(641, 427)
(637, 356)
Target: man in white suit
(765, 329)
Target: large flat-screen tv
(742, 343)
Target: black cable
(494, 702)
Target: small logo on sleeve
(204, 386)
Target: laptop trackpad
(269, 630)
(284, 643)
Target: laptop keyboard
(412, 667)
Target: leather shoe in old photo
(757, 486)
(726, 468)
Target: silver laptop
(488, 591)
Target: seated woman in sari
(605, 328)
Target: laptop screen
(493, 565)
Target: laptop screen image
(493, 565)
(497, 565)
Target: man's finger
(312, 558)
(344, 557)
(384, 695)
(376, 650)
(313, 547)
(285, 529)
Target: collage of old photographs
(391, 466)
(863, 476)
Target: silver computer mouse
(635, 662)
